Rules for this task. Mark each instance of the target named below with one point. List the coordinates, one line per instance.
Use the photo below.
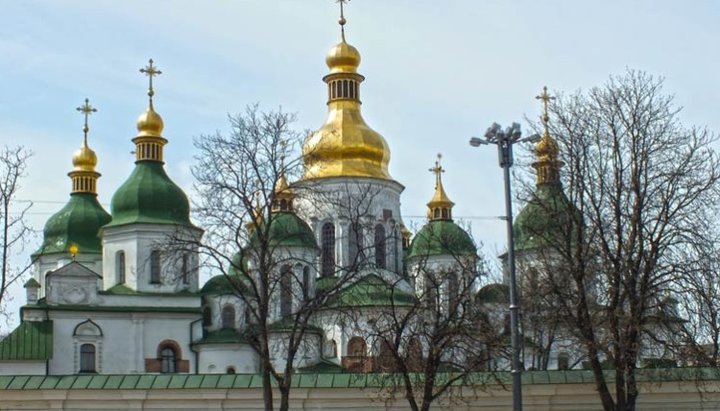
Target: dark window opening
(87, 358)
(380, 246)
(228, 317)
(120, 266)
(286, 291)
(328, 249)
(155, 267)
(207, 317)
(168, 360)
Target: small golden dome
(343, 58)
(84, 159)
(150, 124)
(546, 149)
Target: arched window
(436, 213)
(415, 354)
(563, 361)
(168, 360)
(120, 266)
(395, 255)
(356, 347)
(230, 370)
(228, 316)
(328, 249)
(155, 267)
(453, 289)
(386, 360)
(306, 283)
(87, 358)
(207, 317)
(286, 275)
(380, 246)
(355, 245)
(185, 269)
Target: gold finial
(73, 249)
(342, 20)
(86, 109)
(545, 97)
(150, 71)
(438, 170)
(440, 206)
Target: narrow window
(168, 360)
(379, 246)
(395, 256)
(155, 267)
(352, 89)
(356, 245)
(356, 347)
(436, 213)
(453, 289)
(328, 249)
(345, 89)
(207, 317)
(563, 361)
(228, 317)
(445, 213)
(306, 283)
(120, 266)
(87, 358)
(286, 291)
(185, 269)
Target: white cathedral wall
(217, 358)
(336, 200)
(47, 263)
(127, 339)
(138, 241)
(22, 368)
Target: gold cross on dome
(86, 109)
(438, 170)
(545, 97)
(150, 71)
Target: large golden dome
(345, 146)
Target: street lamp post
(504, 141)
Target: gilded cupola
(440, 206)
(149, 196)
(74, 229)
(547, 165)
(345, 146)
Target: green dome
(221, 284)
(546, 216)
(493, 293)
(149, 196)
(441, 237)
(289, 230)
(77, 223)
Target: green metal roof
(288, 230)
(493, 293)
(78, 222)
(547, 217)
(149, 196)
(223, 284)
(371, 290)
(31, 340)
(222, 336)
(441, 237)
(324, 380)
(122, 289)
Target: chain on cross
(86, 109)
(150, 71)
(437, 170)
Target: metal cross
(545, 97)
(86, 109)
(150, 71)
(438, 170)
(342, 20)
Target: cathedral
(107, 297)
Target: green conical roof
(78, 222)
(547, 216)
(288, 230)
(441, 237)
(149, 196)
(493, 293)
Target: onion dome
(441, 236)
(148, 195)
(77, 224)
(345, 146)
(547, 218)
(228, 283)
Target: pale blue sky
(437, 73)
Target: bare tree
(13, 161)
(267, 253)
(639, 180)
